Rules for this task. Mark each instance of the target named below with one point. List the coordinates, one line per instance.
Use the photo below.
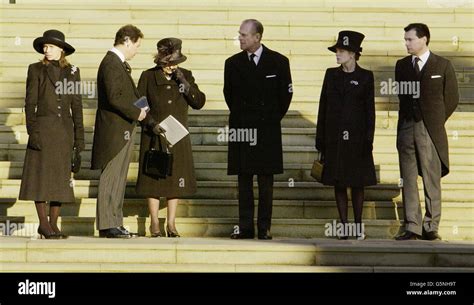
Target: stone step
(228, 208)
(208, 268)
(210, 63)
(218, 154)
(460, 141)
(218, 172)
(211, 13)
(246, 3)
(288, 228)
(293, 119)
(282, 190)
(307, 80)
(307, 70)
(208, 251)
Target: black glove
(158, 130)
(34, 141)
(184, 84)
(76, 160)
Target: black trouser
(247, 206)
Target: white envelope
(435, 76)
(175, 131)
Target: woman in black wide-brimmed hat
(55, 127)
(170, 90)
(345, 128)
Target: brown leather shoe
(408, 236)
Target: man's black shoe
(408, 236)
(265, 235)
(433, 235)
(242, 236)
(113, 233)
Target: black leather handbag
(158, 163)
(75, 161)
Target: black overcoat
(258, 98)
(345, 127)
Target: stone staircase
(301, 30)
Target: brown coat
(54, 124)
(116, 115)
(346, 126)
(165, 99)
(439, 98)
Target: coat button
(170, 101)
(59, 115)
(168, 87)
(58, 100)
(59, 107)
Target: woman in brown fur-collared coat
(55, 126)
(169, 90)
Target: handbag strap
(153, 142)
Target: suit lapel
(160, 78)
(429, 67)
(52, 73)
(264, 63)
(339, 82)
(120, 62)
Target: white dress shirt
(119, 54)
(423, 59)
(257, 53)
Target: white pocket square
(435, 76)
(270, 76)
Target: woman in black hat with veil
(55, 128)
(345, 128)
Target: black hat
(53, 37)
(348, 40)
(169, 52)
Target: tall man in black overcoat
(258, 92)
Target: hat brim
(173, 62)
(39, 42)
(348, 48)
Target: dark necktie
(252, 57)
(416, 108)
(416, 66)
(127, 66)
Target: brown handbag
(317, 169)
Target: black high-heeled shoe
(155, 234)
(171, 233)
(59, 233)
(45, 235)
